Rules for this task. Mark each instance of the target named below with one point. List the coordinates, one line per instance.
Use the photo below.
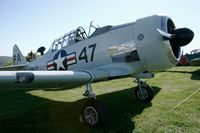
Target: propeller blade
(166, 35)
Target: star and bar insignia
(61, 61)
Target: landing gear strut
(89, 92)
(93, 112)
(143, 91)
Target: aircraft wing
(12, 68)
(43, 79)
(58, 79)
(48, 79)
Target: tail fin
(18, 58)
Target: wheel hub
(91, 115)
(142, 95)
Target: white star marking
(59, 62)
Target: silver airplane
(135, 49)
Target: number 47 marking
(83, 54)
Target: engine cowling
(158, 42)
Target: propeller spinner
(179, 37)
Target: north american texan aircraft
(133, 49)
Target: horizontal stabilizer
(13, 68)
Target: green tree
(8, 63)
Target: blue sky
(34, 23)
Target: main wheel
(146, 95)
(93, 113)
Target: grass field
(30, 111)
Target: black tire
(148, 94)
(94, 113)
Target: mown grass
(31, 111)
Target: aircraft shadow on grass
(23, 112)
(195, 75)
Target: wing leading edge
(43, 79)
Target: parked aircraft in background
(195, 62)
(192, 59)
(133, 49)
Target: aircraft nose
(178, 37)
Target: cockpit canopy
(69, 38)
(77, 35)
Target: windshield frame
(69, 39)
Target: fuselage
(134, 47)
(94, 52)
